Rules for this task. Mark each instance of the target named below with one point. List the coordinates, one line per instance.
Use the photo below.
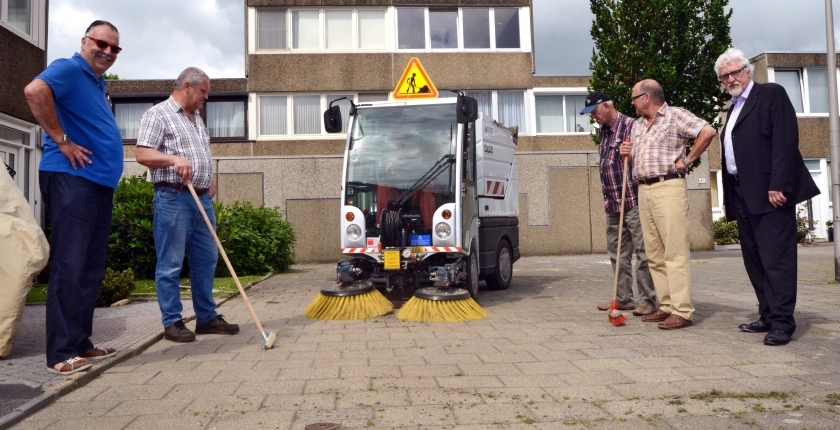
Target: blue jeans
(80, 216)
(179, 227)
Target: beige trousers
(663, 212)
(23, 253)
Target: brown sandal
(70, 366)
(98, 353)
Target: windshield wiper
(427, 178)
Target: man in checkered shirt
(615, 128)
(174, 144)
(657, 150)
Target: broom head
(357, 301)
(617, 318)
(434, 304)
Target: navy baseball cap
(594, 98)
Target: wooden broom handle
(224, 255)
(620, 228)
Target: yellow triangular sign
(414, 83)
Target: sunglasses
(101, 44)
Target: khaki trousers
(663, 212)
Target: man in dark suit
(764, 178)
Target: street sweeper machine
(429, 199)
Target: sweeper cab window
(401, 159)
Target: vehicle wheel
(500, 279)
(472, 273)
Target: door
(469, 196)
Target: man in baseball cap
(615, 128)
(595, 98)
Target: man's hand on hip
(76, 154)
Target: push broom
(268, 338)
(616, 317)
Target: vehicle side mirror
(332, 116)
(332, 119)
(467, 109)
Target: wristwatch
(64, 141)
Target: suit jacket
(765, 142)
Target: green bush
(132, 243)
(726, 232)
(115, 286)
(258, 240)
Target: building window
(411, 27)
(22, 18)
(224, 116)
(507, 27)
(561, 114)
(420, 28)
(506, 107)
(128, 117)
(476, 27)
(271, 29)
(16, 151)
(806, 87)
(443, 28)
(321, 29)
(302, 114)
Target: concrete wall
(20, 62)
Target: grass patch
(145, 288)
(717, 394)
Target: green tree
(674, 42)
(111, 76)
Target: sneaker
(178, 332)
(70, 366)
(217, 325)
(98, 353)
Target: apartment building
(23, 41)
(270, 146)
(805, 78)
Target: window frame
(803, 87)
(37, 22)
(562, 92)
(324, 98)
(322, 30)
(156, 98)
(524, 42)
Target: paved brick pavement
(544, 358)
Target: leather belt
(182, 187)
(655, 179)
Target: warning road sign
(414, 83)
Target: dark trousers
(768, 244)
(80, 217)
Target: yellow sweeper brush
(356, 301)
(438, 304)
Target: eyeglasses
(101, 44)
(725, 77)
(632, 99)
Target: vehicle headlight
(442, 230)
(354, 232)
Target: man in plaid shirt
(615, 128)
(174, 144)
(657, 150)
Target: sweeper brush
(433, 304)
(359, 300)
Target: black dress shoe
(776, 338)
(755, 327)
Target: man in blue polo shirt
(80, 168)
